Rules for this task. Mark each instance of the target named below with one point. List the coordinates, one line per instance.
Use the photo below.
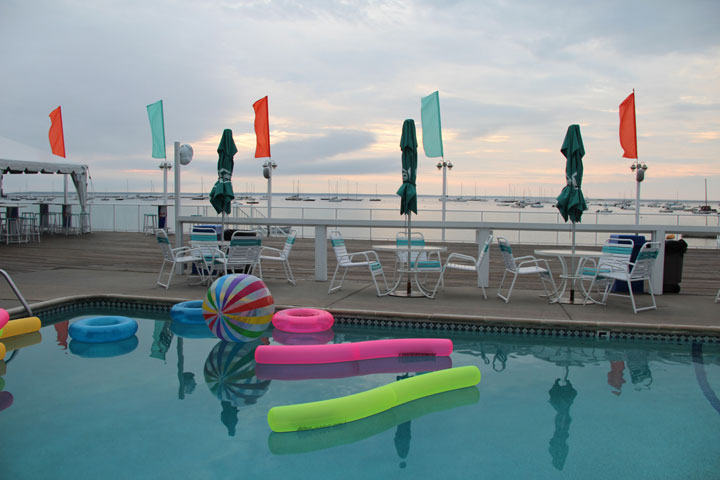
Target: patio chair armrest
(534, 261)
(454, 257)
(181, 251)
(367, 254)
(270, 250)
(526, 257)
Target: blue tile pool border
(524, 327)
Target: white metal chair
(244, 253)
(174, 256)
(466, 263)
(277, 255)
(345, 260)
(212, 261)
(616, 253)
(629, 272)
(527, 265)
(421, 262)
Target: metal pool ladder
(17, 292)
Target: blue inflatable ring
(103, 329)
(103, 350)
(188, 312)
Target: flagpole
(444, 196)
(637, 162)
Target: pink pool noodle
(348, 352)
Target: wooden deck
(136, 252)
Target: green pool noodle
(320, 439)
(336, 411)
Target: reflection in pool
(545, 408)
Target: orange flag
(262, 128)
(628, 132)
(57, 139)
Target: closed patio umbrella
(407, 191)
(571, 202)
(222, 194)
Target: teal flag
(157, 126)
(431, 130)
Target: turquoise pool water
(172, 404)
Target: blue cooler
(638, 241)
(217, 228)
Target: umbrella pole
(409, 257)
(572, 268)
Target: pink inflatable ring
(303, 320)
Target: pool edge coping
(455, 321)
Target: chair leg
(554, 296)
(288, 271)
(481, 286)
(502, 282)
(375, 273)
(332, 282)
(172, 270)
(632, 297)
(512, 284)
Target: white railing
(476, 229)
(129, 218)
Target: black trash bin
(672, 273)
(638, 241)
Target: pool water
(172, 403)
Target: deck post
(321, 253)
(658, 270)
(481, 235)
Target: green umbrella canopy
(222, 192)
(571, 202)
(407, 191)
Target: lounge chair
(629, 272)
(527, 265)
(174, 256)
(345, 260)
(466, 263)
(276, 255)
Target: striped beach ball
(238, 308)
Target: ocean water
(120, 212)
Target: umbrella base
(404, 293)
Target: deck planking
(137, 252)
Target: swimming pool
(172, 403)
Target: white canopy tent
(78, 173)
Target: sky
(342, 76)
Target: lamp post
(268, 167)
(445, 166)
(183, 155)
(639, 171)
(165, 166)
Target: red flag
(628, 132)
(262, 128)
(57, 139)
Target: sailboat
(704, 209)
(202, 191)
(375, 198)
